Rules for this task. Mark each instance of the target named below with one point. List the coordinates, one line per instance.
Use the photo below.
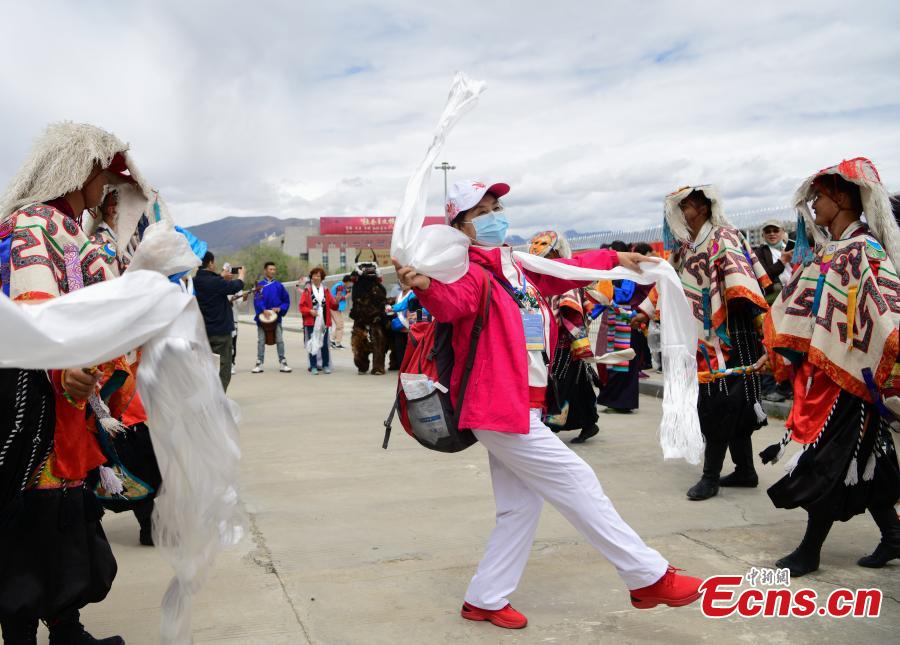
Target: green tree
(253, 257)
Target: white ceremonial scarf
(442, 253)
(192, 423)
(317, 338)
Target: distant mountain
(233, 233)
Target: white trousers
(525, 471)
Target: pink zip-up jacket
(497, 396)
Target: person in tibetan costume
(129, 451)
(833, 332)
(130, 478)
(104, 234)
(54, 556)
(725, 283)
(575, 379)
(620, 392)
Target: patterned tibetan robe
(833, 331)
(574, 378)
(49, 255)
(725, 284)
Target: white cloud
(594, 111)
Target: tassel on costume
(707, 311)
(101, 411)
(820, 286)
(112, 426)
(790, 466)
(852, 477)
(869, 472)
(803, 254)
(669, 241)
(110, 481)
(760, 413)
(773, 453)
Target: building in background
(334, 242)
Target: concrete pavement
(352, 544)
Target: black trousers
(741, 449)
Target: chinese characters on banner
(364, 225)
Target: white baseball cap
(465, 194)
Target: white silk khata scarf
(192, 424)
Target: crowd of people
(815, 319)
(820, 318)
(380, 322)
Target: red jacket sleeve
(306, 303)
(330, 301)
(448, 302)
(550, 286)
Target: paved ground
(353, 544)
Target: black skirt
(817, 483)
(622, 390)
(54, 557)
(575, 392)
(726, 408)
(27, 418)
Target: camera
(236, 270)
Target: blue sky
(593, 112)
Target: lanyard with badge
(533, 324)
(532, 318)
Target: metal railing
(743, 220)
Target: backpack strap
(481, 320)
(390, 420)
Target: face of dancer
(773, 235)
(488, 204)
(271, 270)
(695, 213)
(111, 210)
(92, 191)
(316, 278)
(825, 207)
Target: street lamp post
(445, 167)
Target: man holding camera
(213, 290)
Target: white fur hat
(876, 203)
(62, 159)
(674, 216)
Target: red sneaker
(506, 617)
(672, 590)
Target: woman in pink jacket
(505, 400)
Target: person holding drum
(271, 302)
